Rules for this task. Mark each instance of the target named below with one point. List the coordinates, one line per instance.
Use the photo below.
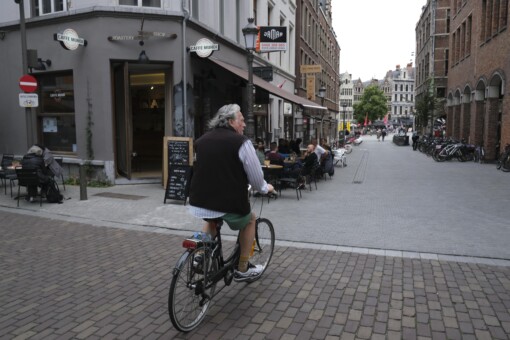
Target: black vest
(219, 181)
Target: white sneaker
(253, 272)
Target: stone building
(432, 52)
(317, 45)
(346, 98)
(116, 76)
(402, 95)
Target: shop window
(141, 3)
(42, 7)
(56, 116)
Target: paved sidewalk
(66, 280)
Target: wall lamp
(142, 58)
(42, 64)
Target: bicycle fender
(181, 261)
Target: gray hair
(224, 114)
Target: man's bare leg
(246, 237)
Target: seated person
(283, 146)
(261, 152)
(310, 160)
(273, 155)
(34, 159)
(294, 147)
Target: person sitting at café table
(319, 150)
(283, 146)
(273, 156)
(294, 146)
(261, 152)
(40, 158)
(310, 160)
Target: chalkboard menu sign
(178, 158)
(177, 185)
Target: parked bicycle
(202, 266)
(504, 160)
(479, 155)
(451, 149)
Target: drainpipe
(28, 111)
(184, 67)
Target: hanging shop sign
(69, 39)
(204, 48)
(304, 69)
(272, 38)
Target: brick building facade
(478, 95)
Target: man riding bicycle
(226, 162)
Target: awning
(303, 102)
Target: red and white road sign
(28, 83)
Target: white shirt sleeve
(251, 165)
(319, 150)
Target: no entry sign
(28, 83)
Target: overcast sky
(375, 35)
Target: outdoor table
(272, 173)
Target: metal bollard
(83, 183)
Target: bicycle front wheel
(505, 163)
(191, 290)
(264, 244)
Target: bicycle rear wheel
(191, 290)
(264, 245)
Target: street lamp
(322, 94)
(250, 33)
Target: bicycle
(504, 160)
(479, 156)
(202, 266)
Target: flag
(366, 119)
(280, 86)
(385, 120)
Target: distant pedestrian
(383, 134)
(378, 134)
(415, 139)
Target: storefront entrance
(142, 110)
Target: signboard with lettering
(310, 87)
(28, 100)
(272, 38)
(178, 158)
(142, 35)
(204, 48)
(310, 69)
(69, 39)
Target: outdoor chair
(313, 175)
(7, 174)
(27, 177)
(295, 182)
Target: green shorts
(236, 221)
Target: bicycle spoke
(190, 296)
